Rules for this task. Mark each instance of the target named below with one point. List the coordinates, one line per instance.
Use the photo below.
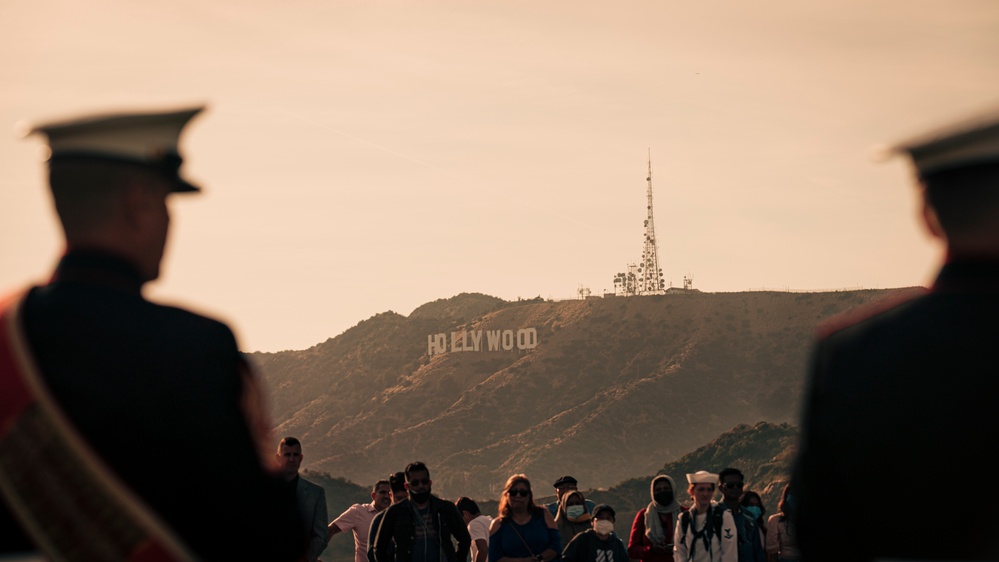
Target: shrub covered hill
(604, 389)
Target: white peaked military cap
(149, 139)
(702, 477)
(966, 143)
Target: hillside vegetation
(614, 389)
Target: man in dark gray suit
(311, 498)
(901, 400)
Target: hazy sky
(363, 156)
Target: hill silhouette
(614, 387)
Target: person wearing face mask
(651, 537)
(752, 504)
(572, 517)
(598, 544)
(423, 527)
(782, 545)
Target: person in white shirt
(478, 527)
(705, 533)
(358, 517)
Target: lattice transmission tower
(650, 275)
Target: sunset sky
(365, 156)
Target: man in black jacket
(902, 399)
(421, 528)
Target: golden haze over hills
(613, 389)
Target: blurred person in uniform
(145, 425)
(310, 498)
(902, 394)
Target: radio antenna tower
(650, 275)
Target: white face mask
(575, 511)
(603, 526)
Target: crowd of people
(405, 522)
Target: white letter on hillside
(507, 340)
(527, 338)
(493, 337)
(436, 343)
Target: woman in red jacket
(652, 532)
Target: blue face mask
(575, 511)
(753, 511)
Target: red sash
(71, 505)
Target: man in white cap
(902, 398)
(706, 532)
(127, 427)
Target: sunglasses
(734, 485)
(420, 482)
(521, 493)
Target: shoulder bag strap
(71, 505)
(521, 537)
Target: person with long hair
(782, 545)
(524, 531)
(651, 537)
(572, 518)
(752, 503)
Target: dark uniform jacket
(903, 405)
(399, 525)
(156, 390)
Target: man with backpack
(707, 532)
(750, 539)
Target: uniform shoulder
(190, 328)
(875, 311)
(179, 314)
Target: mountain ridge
(636, 379)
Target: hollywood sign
(496, 340)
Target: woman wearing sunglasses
(523, 532)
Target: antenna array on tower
(650, 275)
